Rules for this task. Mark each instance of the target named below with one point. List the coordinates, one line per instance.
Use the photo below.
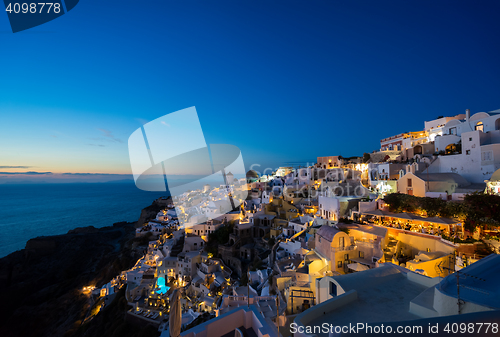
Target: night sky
(285, 81)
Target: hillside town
(406, 235)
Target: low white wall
(423, 280)
(440, 195)
(323, 309)
(446, 305)
(458, 196)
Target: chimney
(467, 114)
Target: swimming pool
(160, 281)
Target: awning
(408, 216)
(377, 212)
(442, 221)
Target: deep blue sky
(285, 81)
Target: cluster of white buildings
(451, 157)
(306, 247)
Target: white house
(479, 135)
(329, 208)
(290, 246)
(435, 127)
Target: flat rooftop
(479, 282)
(246, 332)
(381, 299)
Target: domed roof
(495, 176)
(252, 174)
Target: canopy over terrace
(407, 216)
(443, 221)
(378, 212)
(413, 220)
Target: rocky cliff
(41, 285)
(149, 213)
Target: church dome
(252, 174)
(495, 176)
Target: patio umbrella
(357, 266)
(175, 317)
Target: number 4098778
(33, 8)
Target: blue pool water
(160, 281)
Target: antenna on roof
(459, 273)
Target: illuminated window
(339, 264)
(480, 126)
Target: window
(361, 255)
(333, 289)
(339, 264)
(487, 156)
(470, 139)
(341, 242)
(479, 126)
(467, 152)
(453, 131)
(409, 182)
(346, 257)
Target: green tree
(481, 210)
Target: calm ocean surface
(31, 210)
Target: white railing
(365, 244)
(340, 249)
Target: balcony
(341, 249)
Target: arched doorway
(417, 150)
